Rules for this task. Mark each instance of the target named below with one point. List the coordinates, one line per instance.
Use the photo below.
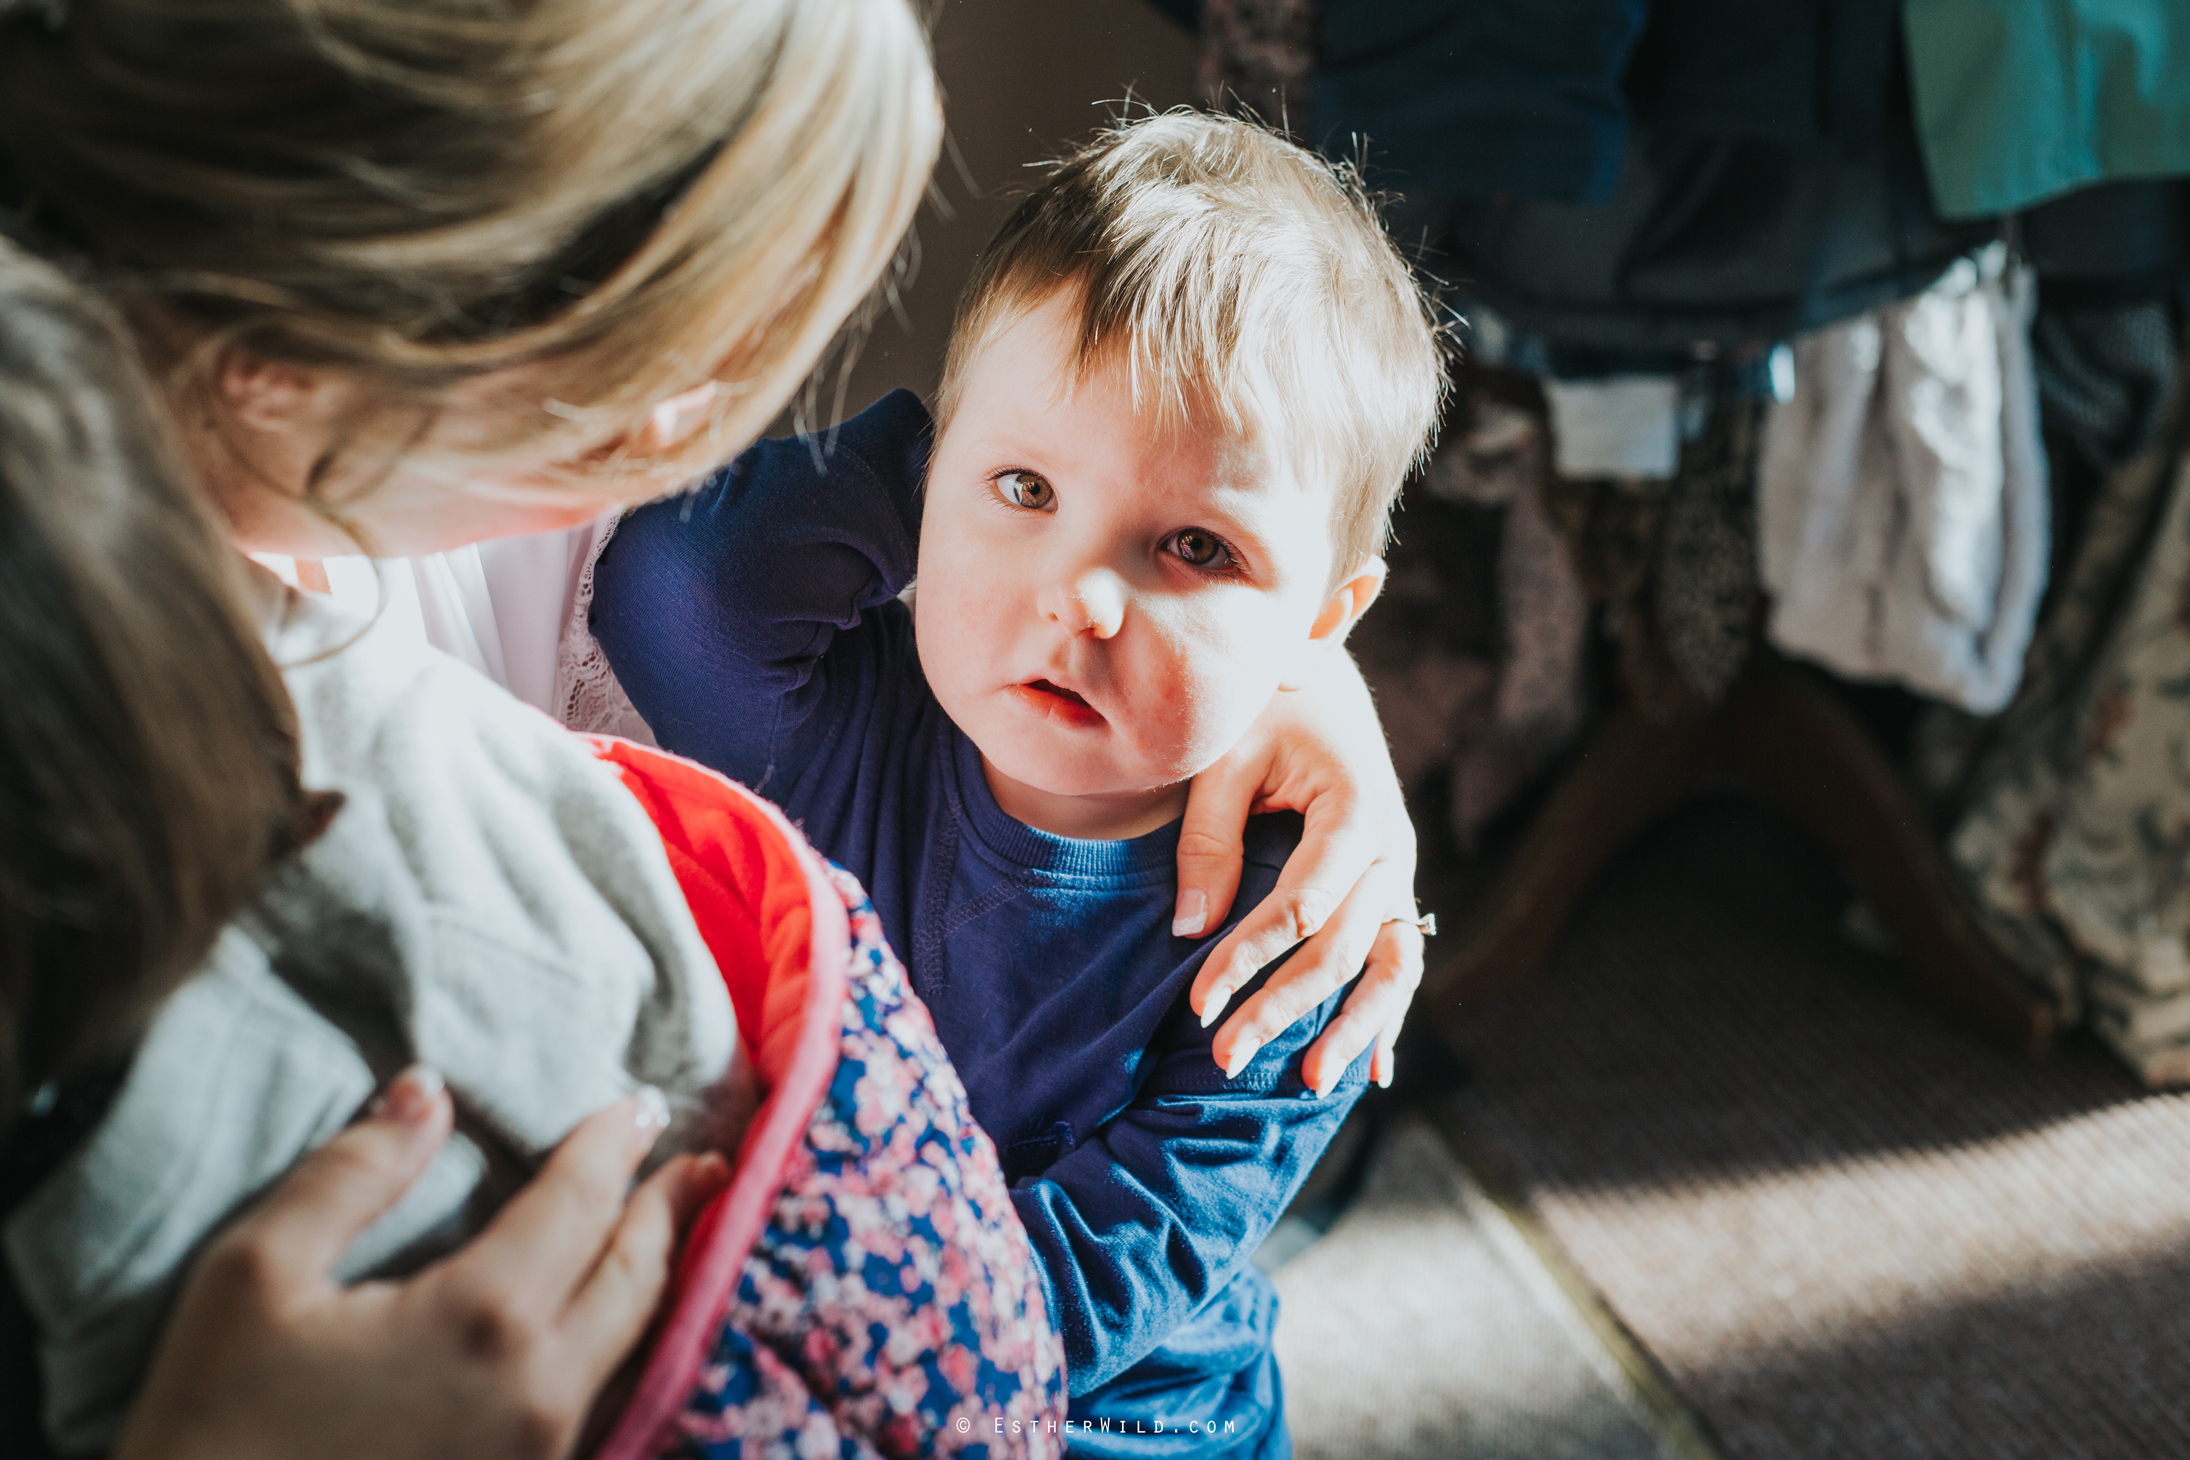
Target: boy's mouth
(1060, 691)
(1054, 701)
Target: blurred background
(1787, 659)
(1020, 82)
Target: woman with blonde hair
(412, 277)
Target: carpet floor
(1840, 1226)
(1423, 1326)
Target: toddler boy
(1184, 385)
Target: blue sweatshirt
(756, 626)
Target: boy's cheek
(1195, 708)
(962, 629)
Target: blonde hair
(628, 198)
(1232, 275)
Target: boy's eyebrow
(1005, 439)
(1235, 505)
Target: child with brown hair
(148, 752)
(1185, 383)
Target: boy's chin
(1075, 774)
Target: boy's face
(1106, 605)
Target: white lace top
(514, 609)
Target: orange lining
(779, 933)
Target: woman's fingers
(1373, 1011)
(302, 1228)
(1210, 845)
(1325, 872)
(620, 1296)
(560, 1223)
(1372, 1014)
(497, 1350)
(1324, 964)
(1385, 1064)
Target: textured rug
(1425, 1326)
(1841, 1227)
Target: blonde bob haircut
(1240, 281)
(614, 201)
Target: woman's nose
(1086, 603)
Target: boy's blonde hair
(628, 198)
(1236, 278)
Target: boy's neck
(1113, 818)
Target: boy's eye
(1200, 547)
(1025, 489)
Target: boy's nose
(1091, 603)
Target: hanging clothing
(2111, 243)
(2075, 839)
(1674, 563)
(1499, 706)
(2111, 260)
(1632, 173)
(1476, 98)
(2064, 813)
(2020, 100)
(1615, 426)
(1707, 239)
(1258, 56)
(1708, 594)
(1902, 497)
(1800, 72)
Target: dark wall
(1020, 77)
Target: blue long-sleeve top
(756, 625)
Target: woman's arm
(497, 1351)
(1348, 889)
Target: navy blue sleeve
(1159, 1210)
(725, 612)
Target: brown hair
(1229, 271)
(148, 752)
(628, 198)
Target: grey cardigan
(490, 900)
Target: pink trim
(724, 1234)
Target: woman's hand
(497, 1351)
(1348, 888)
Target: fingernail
(1241, 1059)
(410, 1096)
(1213, 1006)
(710, 1174)
(1192, 912)
(653, 1109)
(1384, 1076)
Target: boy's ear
(1340, 612)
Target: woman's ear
(671, 423)
(1340, 612)
(272, 395)
(261, 437)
